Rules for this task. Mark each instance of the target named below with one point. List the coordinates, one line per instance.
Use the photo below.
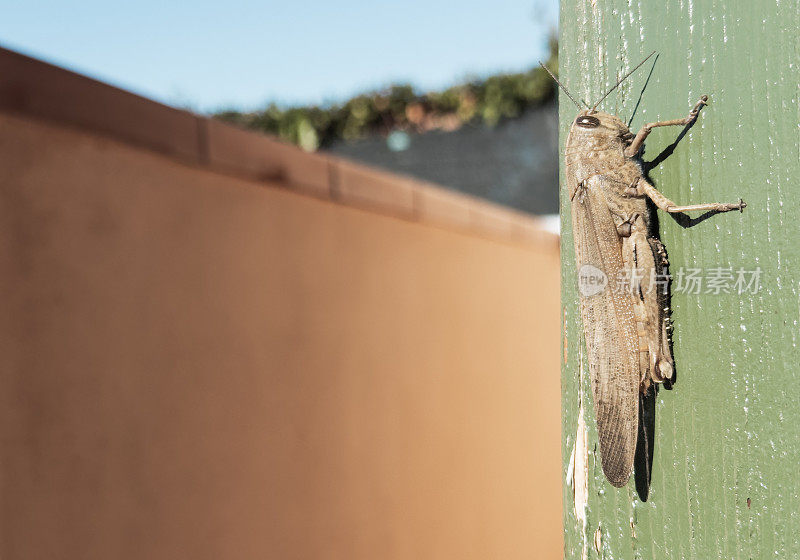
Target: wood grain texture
(727, 437)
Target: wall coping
(37, 89)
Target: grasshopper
(620, 259)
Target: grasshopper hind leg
(662, 365)
(646, 260)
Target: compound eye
(587, 121)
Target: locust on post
(624, 307)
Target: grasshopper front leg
(645, 188)
(640, 137)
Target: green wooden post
(726, 471)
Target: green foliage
(486, 101)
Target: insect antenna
(562, 86)
(622, 79)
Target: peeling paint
(571, 469)
(580, 469)
(564, 330)
(580, 458)
(598, 540)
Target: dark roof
(514, 163)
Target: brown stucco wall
(220, 352)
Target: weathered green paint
(729, 431)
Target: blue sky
(208, 55)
